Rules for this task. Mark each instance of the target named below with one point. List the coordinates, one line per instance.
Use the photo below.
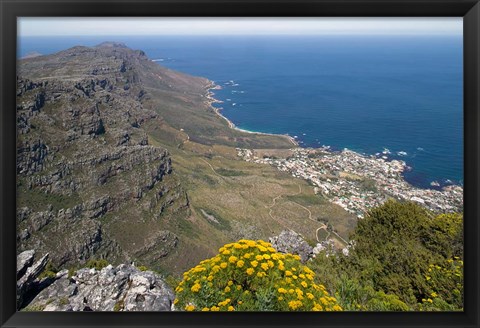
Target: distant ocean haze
(364, 93)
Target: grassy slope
(232, 199)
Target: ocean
(396, 96)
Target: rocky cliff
(85, 165)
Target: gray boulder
(288, 241)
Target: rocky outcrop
(31, 156)
(27, 273)
(121, 288)
(289, 241)
(84, 161)
(24, 261)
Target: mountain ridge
(116, 159)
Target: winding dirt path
(212, 168)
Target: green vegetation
(39, 200)
(50, 271)
(403, 258)
(119, 305)
(71, 272)
(230, 173)
(96, 264)
(34, 308)
(252, 276)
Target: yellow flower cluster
(445, 284)
(252, 276)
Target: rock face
(85, 165)
(121, 288)
(27, 273)
(291, 242)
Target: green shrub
(445, 286)
(96, 264)
(252, 276)
(353, 296)
(71, 272)
(50, 271)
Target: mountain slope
(120, 158)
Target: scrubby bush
(353, 296)
(403, 257)
(445, 286)
(97, 264)
(252, 276)
(50, 271)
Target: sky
(49, 26)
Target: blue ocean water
(364, 93)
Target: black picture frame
(10, 10)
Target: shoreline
(211, 100)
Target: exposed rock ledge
(121, 288)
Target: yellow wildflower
(250, 271)
(261, 274)
(190, 307)
(195, 288)
(294, 304)
(223, 265)
(240, 263)
(254, 264)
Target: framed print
(277, 163)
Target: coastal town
(357, 182)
